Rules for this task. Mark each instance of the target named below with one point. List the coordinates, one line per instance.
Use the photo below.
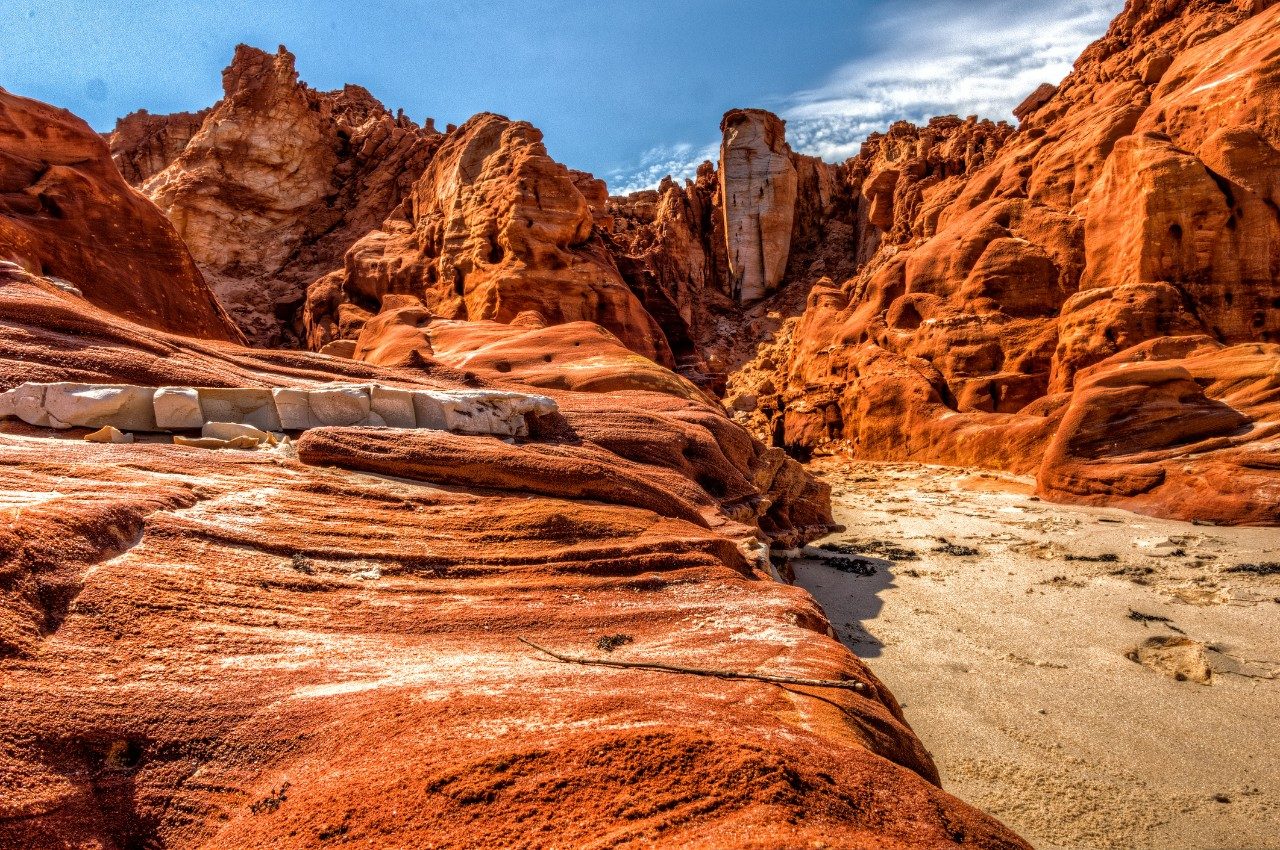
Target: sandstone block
(69, 405)
(301, 408)
(395, 408)
(248, 406)
(177, 408)
(339, 405)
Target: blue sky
(627, 89)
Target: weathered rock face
(758, 197)
(493, 229)
(291, 635)
(789, 224)
(1182, 427)
(143, 145)
(1134, 206)
(579, 356)
(276, 183)
(66, 213)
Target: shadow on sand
(850, 597)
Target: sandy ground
(1012, 662)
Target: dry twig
(696, 671)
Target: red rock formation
(66, 213)
(579, 356)
(793, 214)
(1135, 203)
(307, 651)
(1181, 427)
(276, 184)
(494, 228)
(143, 144)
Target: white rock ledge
(133, 408)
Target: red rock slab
(293, 656)
(581, 472)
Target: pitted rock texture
(1011, 276)
(494, 229)
(275, 184)
(580, 356)
(325, 648)
(66, 213)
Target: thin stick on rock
(696, 671)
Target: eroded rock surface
(275, 184)
(309, 649)
(66, 214)
(493, 230)
(758, 196)
(1014, 280)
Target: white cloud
(680, 161)
(980, 59)
(977, 58)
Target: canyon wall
(1131, 218)
(942, 296)
(276, 182)
(325, 642)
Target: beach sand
(1013, 657)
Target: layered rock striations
(249, 648)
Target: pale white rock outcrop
(393, 406)
(479, 411)
(177, 408)
(758, 185)
(72, 405)
(300, 409)
(232, 414)
(256, 407)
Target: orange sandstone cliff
(1097, 301)
(971, 293)
(320, 643)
